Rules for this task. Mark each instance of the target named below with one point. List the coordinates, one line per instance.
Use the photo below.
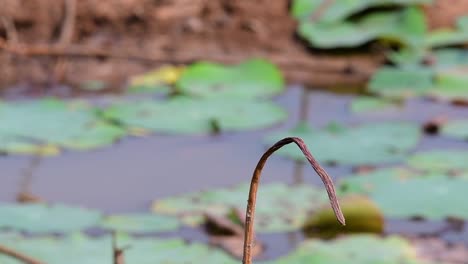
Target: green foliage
(140, 223)
(395, 82)
(440, 160)
(251, 79)
(456, 128)
(401, 193)
(182, 115)
(341, 10)
(365, 144)
(288, 213)
(362, 249)
(80, 249)
(26, 126)
(406, 27)
(449, 37)
(41, 218)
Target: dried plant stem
(19, 256)
(250, 212)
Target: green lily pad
(363, 104)
(374, 143)
(182, 115)
(406, 27)
(449, 37)
(336, 11)
(292, 204)
(80, 249)
(450, 58)
(456, 128)
(397, 83)
(140, 223)
(26, 126)
(450, 85)
(429, 195)
(251, 79)
(41, 218)
(440, 160)
(354, 250)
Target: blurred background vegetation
(145, 118)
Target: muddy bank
(46, 42)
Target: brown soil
(50, 41)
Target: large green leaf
(41, 218)
(440, 160)
(251, 79)
(182, 115)
(79, 249)
(449, 37)
(340, 10)
(365, 144)
(402, 193)
(450, 85)
(359, 249)
(24, 126)
(291, 205)
(444, 79)
(395, 82)
(456, 129)
(140, 223)
(406, 27)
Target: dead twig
(25, 195)
(250, 212)
(19, 256)
(11, 33)
(118, 253)
(68, 26)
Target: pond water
(128, 176)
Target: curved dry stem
(250, 212)
(19, 256)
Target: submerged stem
(250, 212)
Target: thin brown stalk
(19, 256)
(250, 212)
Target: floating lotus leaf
(450, 85)
(182, 115)
(373, 143)
(336, 11)
(406, 27)
(450, 58)
(396, 82)
(42, 218)
(251, 79)
(79, 249)
(140, 223)
(363, 104)
(456, 129)
(429, 195)
(449, 37)
(35, 127)
(444, 79)
(359, 249)
(440, 160)
(288, 213)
